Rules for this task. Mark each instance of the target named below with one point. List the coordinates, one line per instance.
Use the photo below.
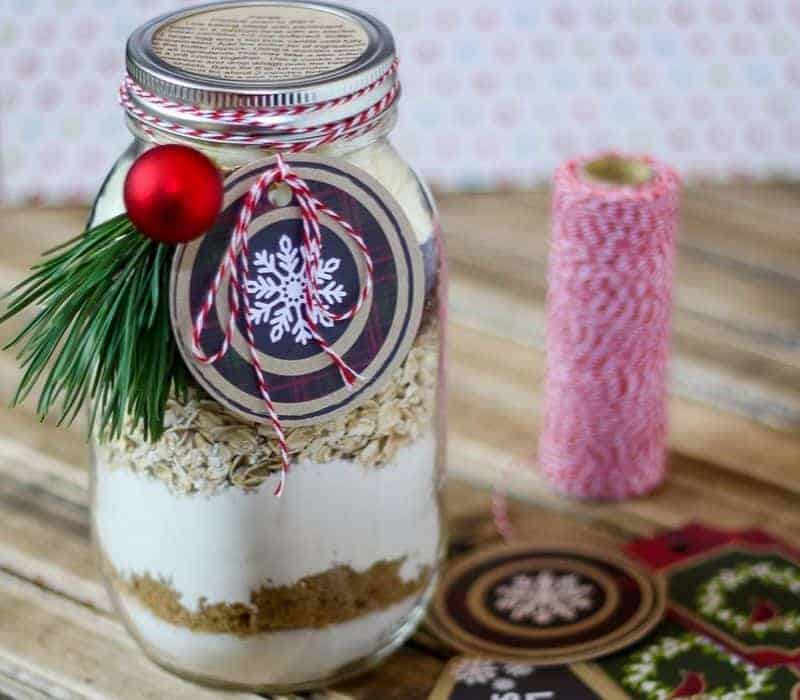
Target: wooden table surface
(734, 440)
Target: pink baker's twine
(234, 263)
(608, 318)
(501, 517)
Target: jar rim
(169, 81)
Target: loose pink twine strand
(501, 517)
(234, 265)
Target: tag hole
(279, 194)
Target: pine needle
(101, 332)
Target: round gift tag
(546, 605)
(304, 384)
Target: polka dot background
(497, 93)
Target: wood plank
(506, 400)
(18, 682)
(410, 674)
(68, 445)
(471, 524)
(754, 225)
(45, 537)
(29, 232)
(688, 494)
(736, 324)
(518, 248)
(473, 454)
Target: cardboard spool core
(614, 170)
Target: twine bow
(234, 265)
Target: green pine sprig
(101, 331)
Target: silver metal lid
(261, 53)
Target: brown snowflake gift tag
(323, 335)
(545, 605)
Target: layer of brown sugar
(337, 595)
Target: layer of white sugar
(282, 658)
(224, 546)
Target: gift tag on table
(677, 662)
(545, 605)
(740, 588)
(673, 662)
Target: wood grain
(734, 444)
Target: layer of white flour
(222, 547)
(280, 658)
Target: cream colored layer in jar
(379, 159)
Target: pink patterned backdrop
(497, 93)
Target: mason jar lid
(253, 54)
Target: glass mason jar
(219, 580)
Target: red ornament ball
(173, 193)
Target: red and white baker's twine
(608, 318)
(234, 264)
(312, 136)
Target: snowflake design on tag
(498, 676)
(503, 684)
(278, 292)
(545, 597)
(518, 670)
(475, 671)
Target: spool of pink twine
(609, 304)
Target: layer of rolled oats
(206, 448)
